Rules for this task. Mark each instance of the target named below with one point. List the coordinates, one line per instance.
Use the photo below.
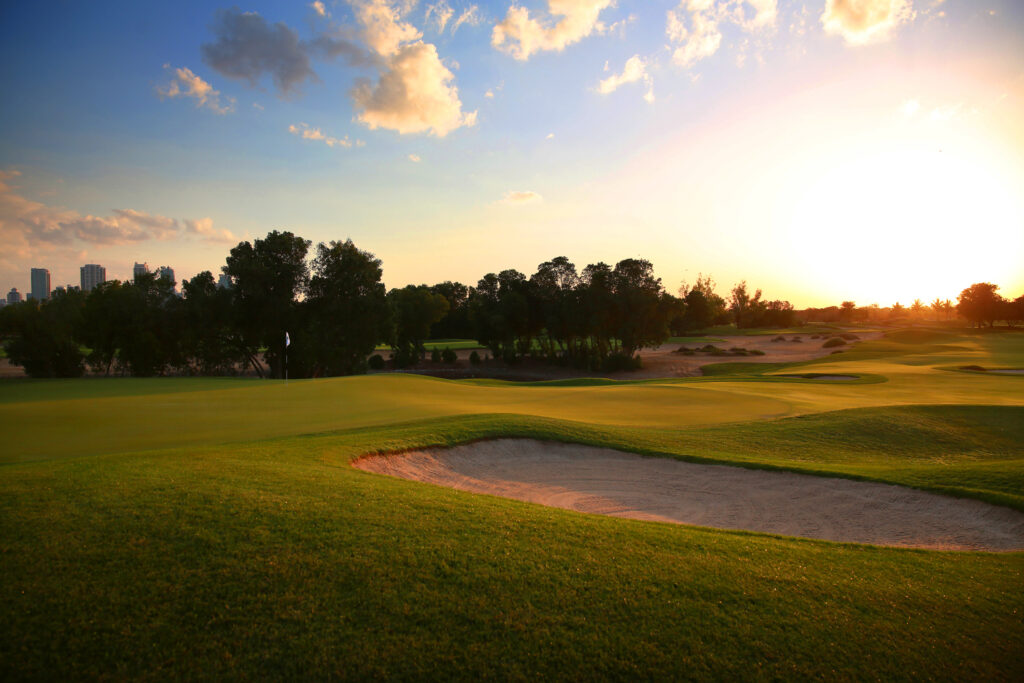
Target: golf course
(171, 528)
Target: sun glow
(912, 220)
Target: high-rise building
(165, 272)
(224, 281)
(140, 269)
(14, 296)
(40, 284)
(92, 274)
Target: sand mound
(608, 482)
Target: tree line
(335, 309)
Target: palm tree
(937, 307)
(947, 306)
(916, 308)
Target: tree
(642, 309)
(41, 336)
(936, 306)
(917, 308)
(268, 276)
(456, 324)
(979, 303)
(703, 308)
(346, 310)
(414, 310)
(746, 309)
(555, 293)
(210, 344)
(847, 311)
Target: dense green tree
(980, 304)
(346, 311)
(555, 289)
(414, 309)
(643, 310)
(41, 336)
(456, 324)
(268, 276)
(210, 343)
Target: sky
(828, 150)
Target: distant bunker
(608, 482)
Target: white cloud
(549, 136)
(860, 22)
(470, 16)
(909, 108)
(441, 13)
(204, 228)
(695, 25)
(415, 158)
(383, 28)
(489, 94)
(945, 112)
(415, 94)
(307, 133)
(520, 197)
(521, 35)
(28, 223)
(61, 238)
(634, 71)
(186, 84)
(319, 8)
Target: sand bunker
(608, 482)
(1010, 371)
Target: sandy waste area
(609, 482)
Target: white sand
(608, 482)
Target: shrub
(755, 352)
(474, 358)
(833, 342)
(376, 362)
(849, 336)
(975, 368)
(780, 338)
(797, 339)
(435, 356)
(405, 356)
(448, 356)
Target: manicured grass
(172, 528)
(442, 344)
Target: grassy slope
(228, 556)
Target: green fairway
(213, 528)
(442, 344)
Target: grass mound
(918, 336)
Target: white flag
(287, 340)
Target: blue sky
(793, 144)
